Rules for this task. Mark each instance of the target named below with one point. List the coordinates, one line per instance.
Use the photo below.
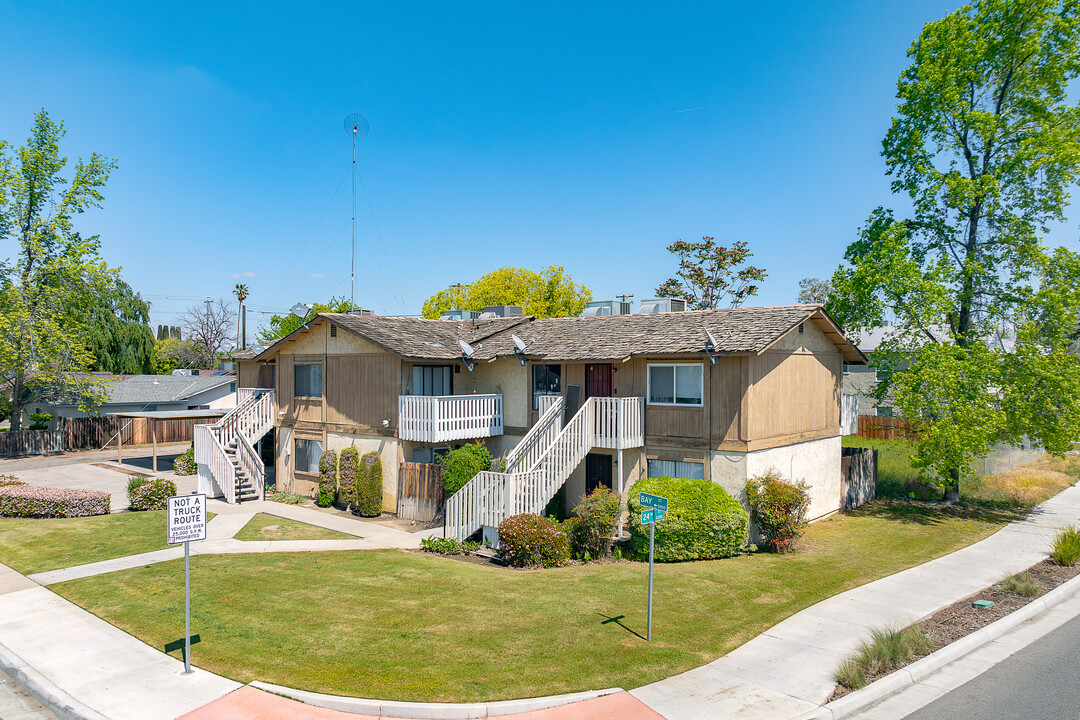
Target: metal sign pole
(652, 534)
(187, 608)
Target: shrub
(886, 651)
(350, 461)
(533, 541)
(185, 464)
(9, 480)
(328, 479)
(778, 509)
(448, 546)
(1022, 584)
(152, 494)
(593, 531)
(287, 498)
(702, 521)
(461, 465)
(39, 421)
(30, 501)
(134, 483)
(1066, 548)
(369, 483)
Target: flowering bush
(328, 479)
(702, 521)
(778, 508)
(533, 541)
(185, 464)
(7, 480)
(152, 494)
(30, 501)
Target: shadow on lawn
(617, 620)
(923, 513)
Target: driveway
(78, 470)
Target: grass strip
(271, 527)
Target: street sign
(185, 519)
(650, 515)
(652, 501)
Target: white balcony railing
(441, 418)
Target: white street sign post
(185, 522)
(653, 512)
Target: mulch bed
(961, 619)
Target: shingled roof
(617, 337)
(602, 338)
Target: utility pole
(244, 345)
(624, 298)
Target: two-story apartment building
(718, 394)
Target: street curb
(425, 711)
(45, 691)
(859, 700)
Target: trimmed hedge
(532, 541)
(778, 509)
(185, 464)
(30, 501)
(369, 483)
(328, 479)
(702, 521)
(350, 463)
(592, 531)
(152, 494)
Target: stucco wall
(388, 449)
(728, 470)
(502, 376)
(816, 462)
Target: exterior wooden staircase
(225, 451)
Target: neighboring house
(651, 390)
(142, 393)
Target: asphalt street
(17, 704)
(1040, 682)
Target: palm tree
(241, 293)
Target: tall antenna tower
(357, 126)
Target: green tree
(173, 353)
(117, 329)
(282, 325)
(985, 145)
(814, 290)
(43, 344)
(241, 293)
(548, 293)
(710, 274)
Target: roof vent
(658, 305)
(486, 316)
(504, 311)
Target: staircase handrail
(221, 469)
(539, 438)
(251, 462)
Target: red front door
(598, 381)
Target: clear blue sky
(586, 135)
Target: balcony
(442, 418)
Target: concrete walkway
(782, 674)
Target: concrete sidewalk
(782, 674)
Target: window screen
(675, 385)
(676, 469)
(308, 453)
(307, 380)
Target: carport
(156, 416)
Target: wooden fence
(31, 442)
(858, 472)
(97, 432)
(876, 427)
(420, 491)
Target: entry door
(597, 471)
(598, 381)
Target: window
(674, 384)
(547, 380)
(308, 453)
(676, 469)
(307, 380)
(431, 380)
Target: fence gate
(858, 468)
(420, 491)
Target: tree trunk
(16, 402)
(952, 492)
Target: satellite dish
(712, 340)
(300, 310)
(518, 343)
(356, 125)
(466, 348)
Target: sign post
(654, 509)
(186, 521)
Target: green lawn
(32, 545)
(272, 527)
(407, 626)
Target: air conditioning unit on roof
(606, 307)
(359, 311)
(503, 310)
(658, 305)
(459, 315)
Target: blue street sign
(652, 501)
